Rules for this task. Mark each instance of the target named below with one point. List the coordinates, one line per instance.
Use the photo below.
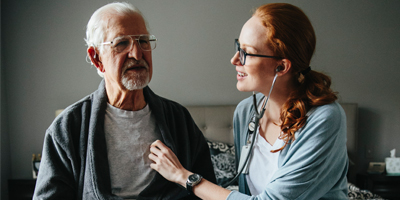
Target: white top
(263, 164)
(128, 137)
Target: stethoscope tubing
(257, 117)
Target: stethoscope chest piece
(252, 126)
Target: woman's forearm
(205, 189)
(210, 191)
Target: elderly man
(98, 148)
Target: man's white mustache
(131, 62)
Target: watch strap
(189, 188)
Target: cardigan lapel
(97, 173)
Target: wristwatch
(192, 180)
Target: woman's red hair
(291, 36)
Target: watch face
(194, 177)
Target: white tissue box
(392, 166)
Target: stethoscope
(253, 126)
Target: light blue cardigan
(313, 166)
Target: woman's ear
(94, 58)
(284, 67)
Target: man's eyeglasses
(243, 54)
(125, 43)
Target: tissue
(393, 164)
(393, 153)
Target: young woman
(300, 144)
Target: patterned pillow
(356, 193)
(223, 159)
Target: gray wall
(44, 68)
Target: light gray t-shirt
(128, 137)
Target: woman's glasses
(243, 54)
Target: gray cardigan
(313, 166)
(74, 160)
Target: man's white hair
(95, 29)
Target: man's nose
(135, 51)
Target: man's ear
(284, 67)
(95, 58)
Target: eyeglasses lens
(242, 56)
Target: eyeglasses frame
(237, 44)
(137, 40)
